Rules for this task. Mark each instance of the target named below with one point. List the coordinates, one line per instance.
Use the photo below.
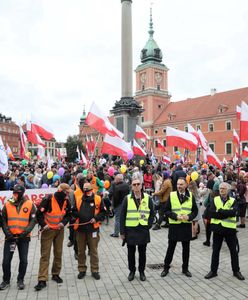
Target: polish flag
(92, 144)
(39, 128)
(9, 153)
(238, 111)
(84, 158)
(175, 137)
(137, 150)
(41, 152)
(140, 133)
(33, 136)
(192, 130)
(116, 146)
(23, 144)
(212, 158)
(78, 153)
(58, 154)
(236, 138)
(161, 146)
(97, 120)
(245, 151)
(244, 122)
(203, 141)
(166, 159)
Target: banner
(35, 195)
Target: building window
(164, 130)
(164, 143)
(229, 148)
(186, 128)
(143, 87)
(160, 106)
(156, 131)
(228, 125)
(210, 127)
(175, 148)
(156, 144)
(198, 127)
(158, 87)
(211, 145)
(142, 119)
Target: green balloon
(85, 172)
(24, 162)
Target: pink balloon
(61, 171)
(111, 171)
(130, 155)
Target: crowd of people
(141, 194)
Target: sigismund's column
(126, 110)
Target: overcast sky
(58, 55)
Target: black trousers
(231, 241)
(131, 257)
(170, 252)
(22, 246)
(161, 212)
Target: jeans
(117, 211)
(22, 246)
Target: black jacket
(46, 206)
(221, 215)
(183, 231)
(117, 193)
(87, 212)
(138, 235)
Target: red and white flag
(41, 152)
(245, 151)
(175, 137)
(9, 153)
(140, 133)
(137, 150)
(161, 146)
(92, 144)
(58, 154)
(236, 138)
(192, 130)
(39, 128)
(33, 136)
(203, 140)
(212, 158)
(23, 144)
(116, 146)
(84, 158)
(166, 159)
(97, 120)
(238, 111)
(244, 122)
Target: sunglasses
(87, 190)
(136, 184)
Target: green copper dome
(83, 115)
(151, 52)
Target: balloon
(106, 184)
(85, 172)
(56, 177)
(130, 154)
(49, 175)
(44, 186)
(24, 162)
(205, 166)
(61, 171)
(194, 175)
(28, 154)
(123, 169)
(142, 162)
(111, 171)
(195, 167)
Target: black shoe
(81, 275)
(4, 285)
(57, 278)
(210, 275)
(76, 256)
(142, 276)
(238, 275)
(70, 244)
(164, 273)
(20, 285)
(156, 227)
(187, 273)
(131, 276)
(41, 285)
(241, 226)
(114, 235)
(206, 243)
(96, 275)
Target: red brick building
(214, 114)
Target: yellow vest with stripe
(184, 208)
(230, 222)
(138, 216)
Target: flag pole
(93, 154)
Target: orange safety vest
(56, 215)
(97, 200)
(18, 222)
(94, 184)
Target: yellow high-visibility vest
(230, 222)
(138, 216)
(179, 208)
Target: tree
(71, 145)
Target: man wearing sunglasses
(135, 222)
(89, 211)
